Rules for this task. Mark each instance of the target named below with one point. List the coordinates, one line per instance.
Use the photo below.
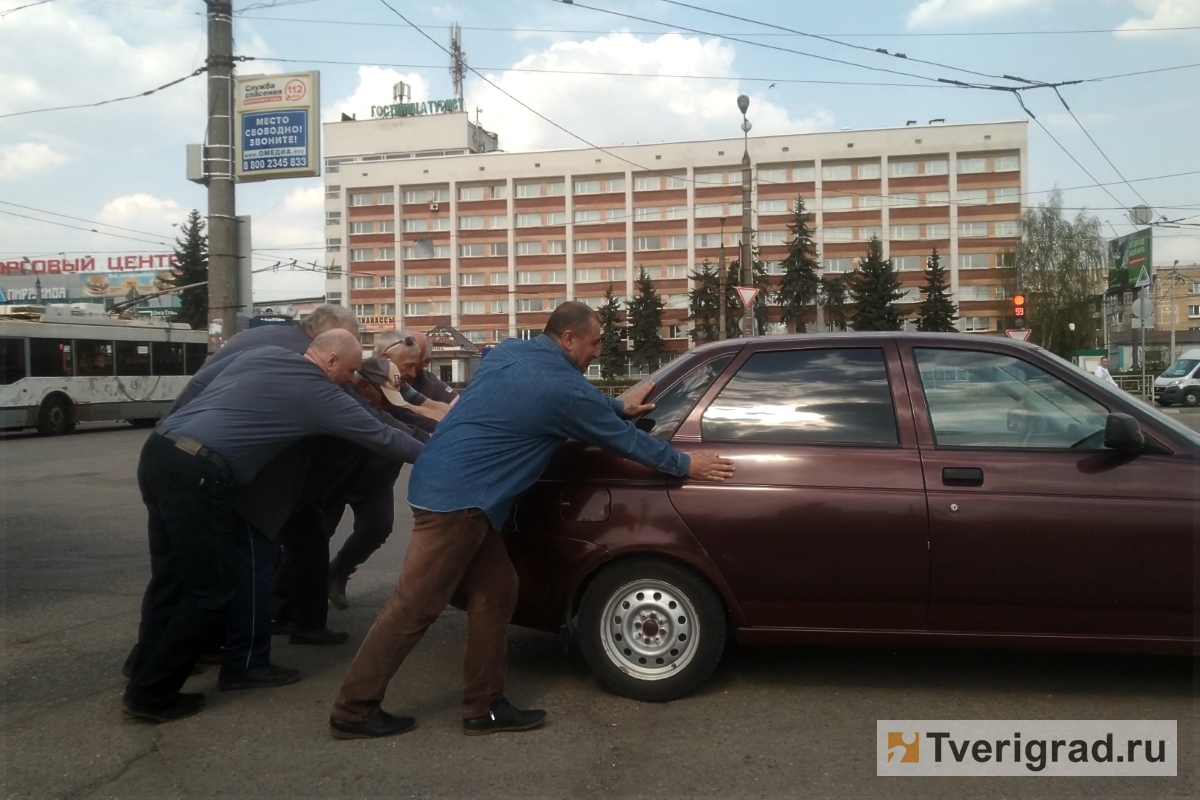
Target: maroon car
(891, 489)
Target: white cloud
(27, 159)
(935, 12)
(292, 229)
(609, 110)
(375, 88)
(143, 212)
(1161, 14)
(1174, 246)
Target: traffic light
(1019, 309)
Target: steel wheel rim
(649, 629)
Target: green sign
(416, 109)
(1130, 263)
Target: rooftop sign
(416, 109)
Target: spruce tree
(937, 311)
(645, 323)
(191, 266)
(874, 289)
(800, 283)
(834, 299)
(704, 309)
(611, 361)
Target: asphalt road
(796, 721)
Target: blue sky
(123, 164)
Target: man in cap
(525, 401)
(266, 400)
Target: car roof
(854, 337)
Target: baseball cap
(383, 375)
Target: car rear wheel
(1191, 398)
(651, 630)
(54, 417)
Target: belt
(195, 447)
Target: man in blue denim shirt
(526, 400)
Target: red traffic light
(1018, 305)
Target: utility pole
(218, 168)
(721, 283)
(747, 258)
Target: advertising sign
(127, 286)
(1130, 261)
(416, 109)
(278, 126)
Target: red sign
(1020, 334)
(294, 91)
(747, 294)
(55, 266)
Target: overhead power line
(1098, 148)
(167, 85)
(76, 227)
(4, 14)
(81, 219)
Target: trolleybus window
(133, 358)
(168, 358)
(50, 358)
(12, 360)
(93, 358)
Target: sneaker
(185, 705)
(336, 590)
(318, 636)
(376, 726)
(266, 677)
(503, 716)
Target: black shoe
(318, 636)
(266, 677)
(185, 705)
(280, 628)
(377, 726)
(503, 716)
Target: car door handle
(962, 476)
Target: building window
(529, 190)
(676, 212)
(363, 309)
(677, 331)
(587, 217)
(771, 176)
(902, 169)
(416, 309)
(357, 199)
(717, 178)
(1193, 312)
(906, 232)
(616, 273)
(939, 166)
(556, 218)
(970, 165)
(870, 201)
(587, 187)
(1007, 194)
(386, 198)
(868, 171)
(839, 265)
(556, 189)
(870, 232)
(974, 324)
(427, 251)
(973, 261)
(441, 223)
(471, 307)
(970, 229)
(971, 197)
(362, 282)
(614, 215)
(556, 276)
(1008, 163)
(837, 172)
(527, 278)
(676, 301)
(770, 268)
(333, 245)
(1008, 227)
(642, 243)
(470, 223)
(470, 279)
(499, 191)
(527, 305)
(499, 306)
(772, 206)
(647, 214)
(615, 245)
(766, 238)
(678, 271)
(587, 276)
(937, 198)
(387, 309)
(975, 292)
(1194, 288)
(498, 248)
(333, 192)
(904, 200)
(556, 246)
(613, 185)
(387, 281)
(587, 245)
(591, 302)
(800, 174)
(529, 220)
(836, 203)
(362, 254)
(676, 182)
(333, 218)
(387, 254)
(710, 210)
(839, 234)
(647, 183)
(498, 279)
(675, 243)
(416, 281)
(906, 263)
(653, 273)
(937, 230)
(470, 192)
(529, 248)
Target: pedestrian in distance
(1102, 373)
(526, 400)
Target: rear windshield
(1180, 368)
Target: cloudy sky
(611, 79)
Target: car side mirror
(1123, 434)
(644, 424)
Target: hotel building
(428, 223)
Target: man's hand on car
(635, 399)
(710, 467)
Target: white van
(1181, 382)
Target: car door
(1035, 528)
(824, 523)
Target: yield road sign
(1020, 334)
(747, 294)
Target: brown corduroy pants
(451, 552)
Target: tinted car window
(826, 396)
(978, 399)
(676, 403)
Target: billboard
(1130, 261)
(278, 126)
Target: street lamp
(743, 103)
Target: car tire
(54, 417)
(1191, 398)
(1160, 402)
(651, 630)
